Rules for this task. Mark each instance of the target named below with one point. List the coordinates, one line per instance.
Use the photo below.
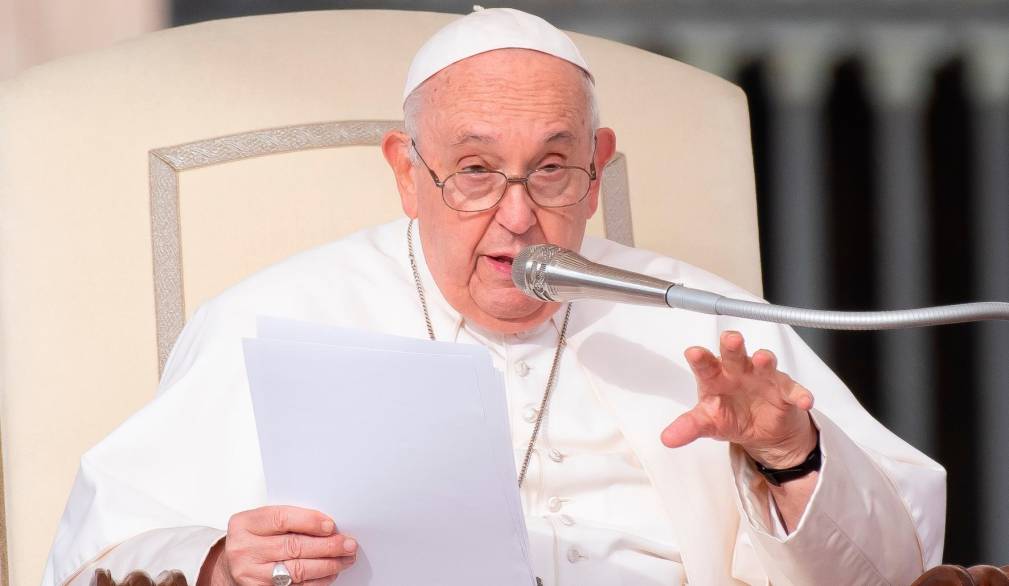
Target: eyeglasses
(479, 189)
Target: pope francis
(654, 447)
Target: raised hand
(747, 401)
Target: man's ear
(396, 149)
(606, 146)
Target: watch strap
(777, 476)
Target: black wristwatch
(776, 476)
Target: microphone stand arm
(678, 296)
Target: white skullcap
(486, 30)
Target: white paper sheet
(491, 387)
(403, 448)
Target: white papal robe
(606, 503)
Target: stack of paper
(403, 442)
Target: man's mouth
(503, 259)
(501, 264)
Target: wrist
(789, 453)
(810, 465)
(214, 571)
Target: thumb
(686, 428)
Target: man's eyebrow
(470, 137)
(562, 136)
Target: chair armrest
(103, 577)
(950, 575)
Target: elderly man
(665, 450)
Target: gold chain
(416, 280)
(551, 380)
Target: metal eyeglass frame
(440, 183)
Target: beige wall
(35, 31)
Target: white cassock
(606, 503)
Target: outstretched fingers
(799, 396)
(686, 428)
(732, 347)
(765, 363)
(703, 363)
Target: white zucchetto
(486, 30)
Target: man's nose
(515, 211)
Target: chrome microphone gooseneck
(552, 273)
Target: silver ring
(281, 576)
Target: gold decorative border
(166, 163)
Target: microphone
(552, 273)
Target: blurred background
(881, 149)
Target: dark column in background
(898, 71)
(852, 199)
(989, 239)
(949, 185)
(799, 230)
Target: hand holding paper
(305, 541)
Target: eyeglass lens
(548, 187)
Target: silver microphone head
(551, 273)
(529, 269)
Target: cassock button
(555, 455)
(529, 413)
(554, 504)
(574, 555)
(521, 368)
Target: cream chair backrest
(137, 182)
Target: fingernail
(349, 545)
(328, 527)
